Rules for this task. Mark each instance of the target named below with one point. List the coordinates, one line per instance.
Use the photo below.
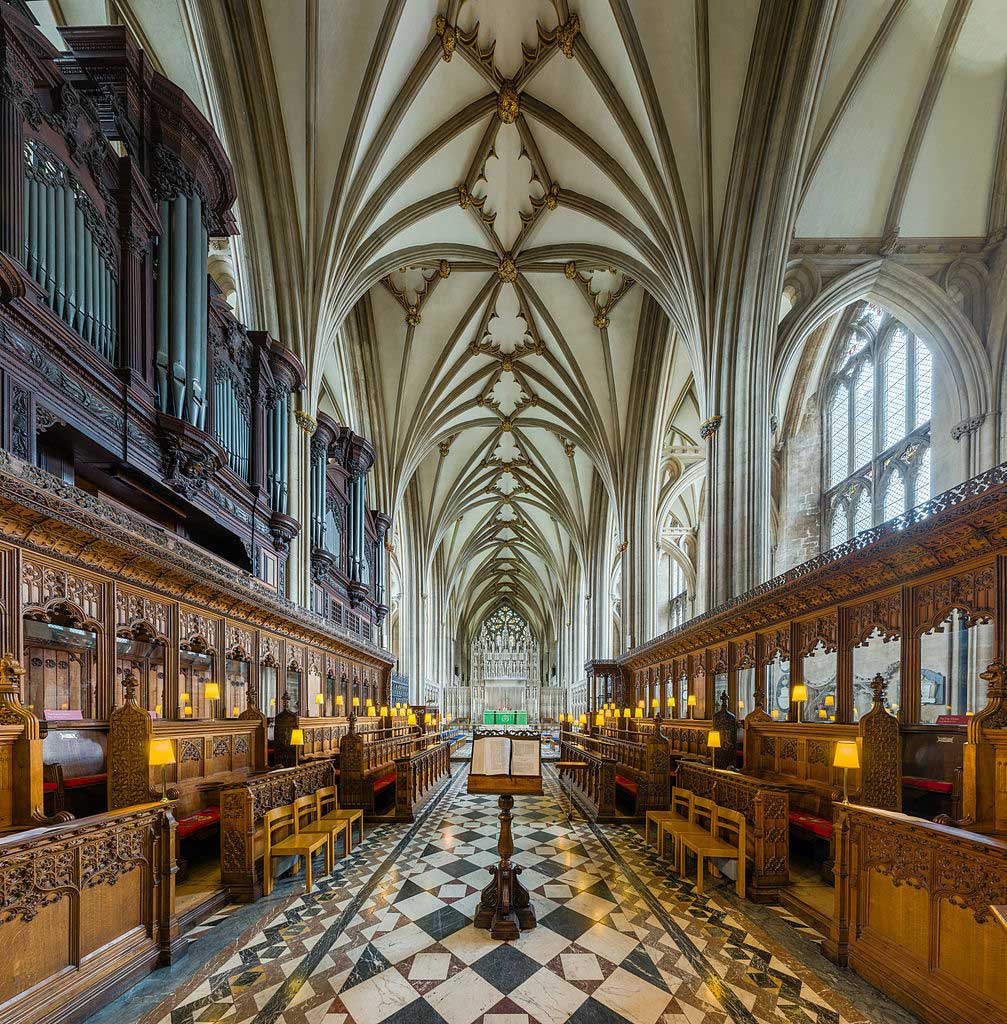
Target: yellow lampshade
(157, 709)
(713, 739)
(583, 719)
(639, 712)
(411, 720)
(427, 718)
(183, 697)
(692, 700)
(372, 711)
(356, 702)
(776, 712)
(741, 704)
(829, 700)
(272, 701)
(297, 737)
(639, 703)
(339, 700)
(319, 698)
(799, 693)
(832, 718)
(369, 702)
(384, 711)
(822, 713)
(161, 752)
(671, 702)
(627, 713)
(235, 711)
(846, 755)
(187, 711)
(655, 703)
(212, 691)
(599, 720)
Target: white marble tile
(379, 997)
(581, 967)
(590, 906)
(607, 942)
(632, 997)
(541, 944)
(470, 943)
(548, 998)
(432, 878)
(420, 905)
(430, 967)
(464, 997)
(401, 943)
(452, 890)
(557, 890)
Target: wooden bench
(416, 776)
(242, 808)
(75, 754)
(932, 758)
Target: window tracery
(877, 424)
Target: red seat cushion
(930, 785)
(49, 787)
(385, 780)
(198, 820)
(812, 823)
(86, 780)
(627, 784)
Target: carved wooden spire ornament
(12, 711)
(881, 754)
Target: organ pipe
(63, 254)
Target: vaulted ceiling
(490, 228)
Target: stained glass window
(877, 423)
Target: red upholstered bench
(820, 827)
(927, 785)
(50, 787)
(385, 780)
(85, 780)
(197, 821)
(627, 784)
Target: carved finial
(508, 103)
(880, 687)
(413, 315)
(723, 702)
(352, 727)
(657, 724)
(570, 270)
(130, 684)
(996, 679)
(12, 711)
(286, 701)
(10, 673)
(444, 269)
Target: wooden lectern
(502, 774)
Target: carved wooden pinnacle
(880, 688)
(995, 676)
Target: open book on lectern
(502, 755)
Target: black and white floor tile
(388, 937)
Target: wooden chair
(320, 825)
(691, 813)
(711, 845)
(679, 813)
(295, 844)
(329, 811)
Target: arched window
(877, 424)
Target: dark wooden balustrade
(416, 776)
(592, 786)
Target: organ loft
(503, 511)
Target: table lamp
(639, 703)
(655, 704)
(187, 711)
(712, 743)
(846, 757)
(823, 714)
(627, 713)
(799, 695)
(372, 711)
(296, 740)
(162, 753)
(356, 702)
(411, 719)
(384, 711)
(671, 707)
(639, 712)
(427, 718)
(212, 693)
(339, 702)
(829, 700)
(599, 720)
(319, 700)
(691, 703)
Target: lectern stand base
(505, 899)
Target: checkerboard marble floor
(388, 938)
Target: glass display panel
(951, 658)
(145, 660)
(746, 691)
(820, 679)
(869, 658)
(267, 690)
(195, 670)
(237, 673)
(62, 669)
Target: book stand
(505, 904)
